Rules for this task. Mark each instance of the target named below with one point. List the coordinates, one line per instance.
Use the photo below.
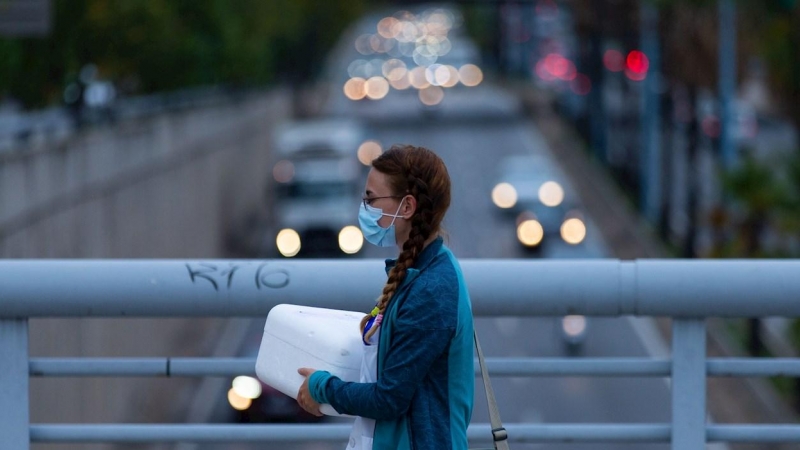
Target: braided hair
(418, 172)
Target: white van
(316, 187)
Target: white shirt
(364, 428)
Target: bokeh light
(441, 75)
(417, 78)
(387, 27)
(238, 402)
(351, 240)
(551, 194)
(530, 233)
(423, 57)
(636, 65)
(556, 64)
(574, 325)
(283, 172)
(504, 195)
(637, 62)
(288, 242)
(368, 151)
(573, 231)
(451, 78)
(376, 88)
(247, 387)
(362, 44)
(470, 75)
(376, 43)
(407, 48)
(401, 84)
(355, 88)
(394, 69)
(431, 95)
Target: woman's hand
(304, 398)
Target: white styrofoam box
(301, 336)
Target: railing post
(688, 384)
(14, 416)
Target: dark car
(252, 401)
(532, 190)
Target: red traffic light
(636, 65)
(637, 62)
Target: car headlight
(551, 194)
(530, 233)
(573, 231)
(247, 387)
(350, 239)
(238, 402)
(504, 195)
(288, 242)
(574, 325)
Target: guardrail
(687, 291)
(58, 123)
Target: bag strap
(499, 433)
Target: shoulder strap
(499, 433)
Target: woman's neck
(427, 242)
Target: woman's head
(414, 186)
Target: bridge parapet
(687, 291)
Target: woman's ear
(409, 207)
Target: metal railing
(687, 291)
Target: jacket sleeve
(421, 333)
(317, 383)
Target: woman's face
(378, 186)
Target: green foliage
(768, 196)
(755, 185)
(157, 45)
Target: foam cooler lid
(304, 326)
(302, 336)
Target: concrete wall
(170, 186)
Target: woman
(416, 389)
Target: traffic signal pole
(727, 80)
(650, 164)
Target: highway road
(476, 230)
(472, 130)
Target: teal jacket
(424, 395)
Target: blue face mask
(368, 217)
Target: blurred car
(534, 191)
(252, 401)
(316, 189)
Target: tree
(159, 45)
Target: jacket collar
(423, 260)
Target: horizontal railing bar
(184, 367)
(251, 288)
(157, 367)
(612, 367)
(753, 433)
(517, 432)
(324, 432)
(193, 367)
(753, 367)
(101, 367)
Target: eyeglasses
(368, 200)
